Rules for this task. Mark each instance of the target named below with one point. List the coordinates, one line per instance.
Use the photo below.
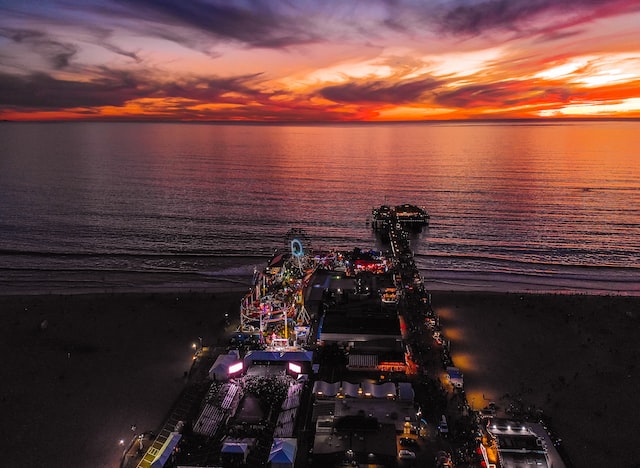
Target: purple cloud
(496, 95)
(259, 24)
(57, 53)
(379, 91)
(114, 88)
(475, 17)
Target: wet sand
(72, 390)
(574, 357)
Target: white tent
(283, 453)
(237, 447)
(385, 390)
(220, 368)
(350, 389)
(322, 388)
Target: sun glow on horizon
(628, 106)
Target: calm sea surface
(99, 206)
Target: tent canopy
(350, 389)
(283, 451)
(240, 447)
(220, 368)
(320, 387)
(235, 447)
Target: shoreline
(108, 360)
(243, 284)
(233, 277)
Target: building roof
(356, 423)
(518, 445)
(277, 356)
(523, 460)
(384, 390)
(365, 327)
(320, 387)
(362, 361)
(283, 450)
(234, 447)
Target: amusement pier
(338, 359)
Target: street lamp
(197, 346)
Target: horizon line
(332, 122)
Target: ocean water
(155, 206)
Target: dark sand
(70, 392)
(574, 357)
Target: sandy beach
(74, 385)
(574, 357)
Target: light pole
(197, 346)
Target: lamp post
(197, 346)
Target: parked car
(406, 455)
(443, 427)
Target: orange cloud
(211, 60)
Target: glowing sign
(295, 368)
(233, 368)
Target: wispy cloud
(307, 60)
(502, 95)
(112, 87)
(475, 17)
(40, 90)
(260, 24)
(58, 54)
(379, 91)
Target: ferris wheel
(297, 250)
(298, 242)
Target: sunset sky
(324, 60)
